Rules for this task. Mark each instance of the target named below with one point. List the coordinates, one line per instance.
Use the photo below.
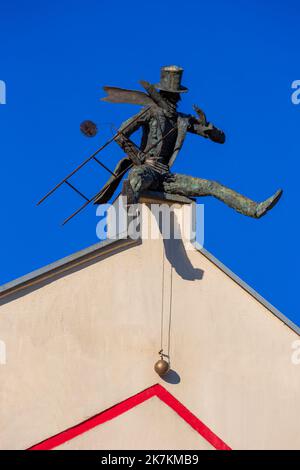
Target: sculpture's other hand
(200, 125)
(141, 156)
(201, 115)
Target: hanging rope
(170, 311)
(161, 351)
(162, 300)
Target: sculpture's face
(173, 98)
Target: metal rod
(173, 129)
(75, 213)
(77, 190)
(92, 156)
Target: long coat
(155, 123)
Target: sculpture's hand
(200, 125)
(201, 115)
(141, 156)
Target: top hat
(170, 79)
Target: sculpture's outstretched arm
(204, 128)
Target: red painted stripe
(96, 420)
(126, 405)
(190, 418)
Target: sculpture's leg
(190, 186)
(139, 179)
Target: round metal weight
(161, 367)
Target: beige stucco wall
(88, 340)
(139, 429)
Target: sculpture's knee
(214, 187)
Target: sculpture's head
(170, 81)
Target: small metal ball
(161, 367)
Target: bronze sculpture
(164, 131)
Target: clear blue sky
(240, 58)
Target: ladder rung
(76, 190)
(104, 166)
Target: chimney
(157, 216)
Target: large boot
(268, 204)
(243, 204)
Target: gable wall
(89, 339)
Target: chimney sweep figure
(164, 130)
